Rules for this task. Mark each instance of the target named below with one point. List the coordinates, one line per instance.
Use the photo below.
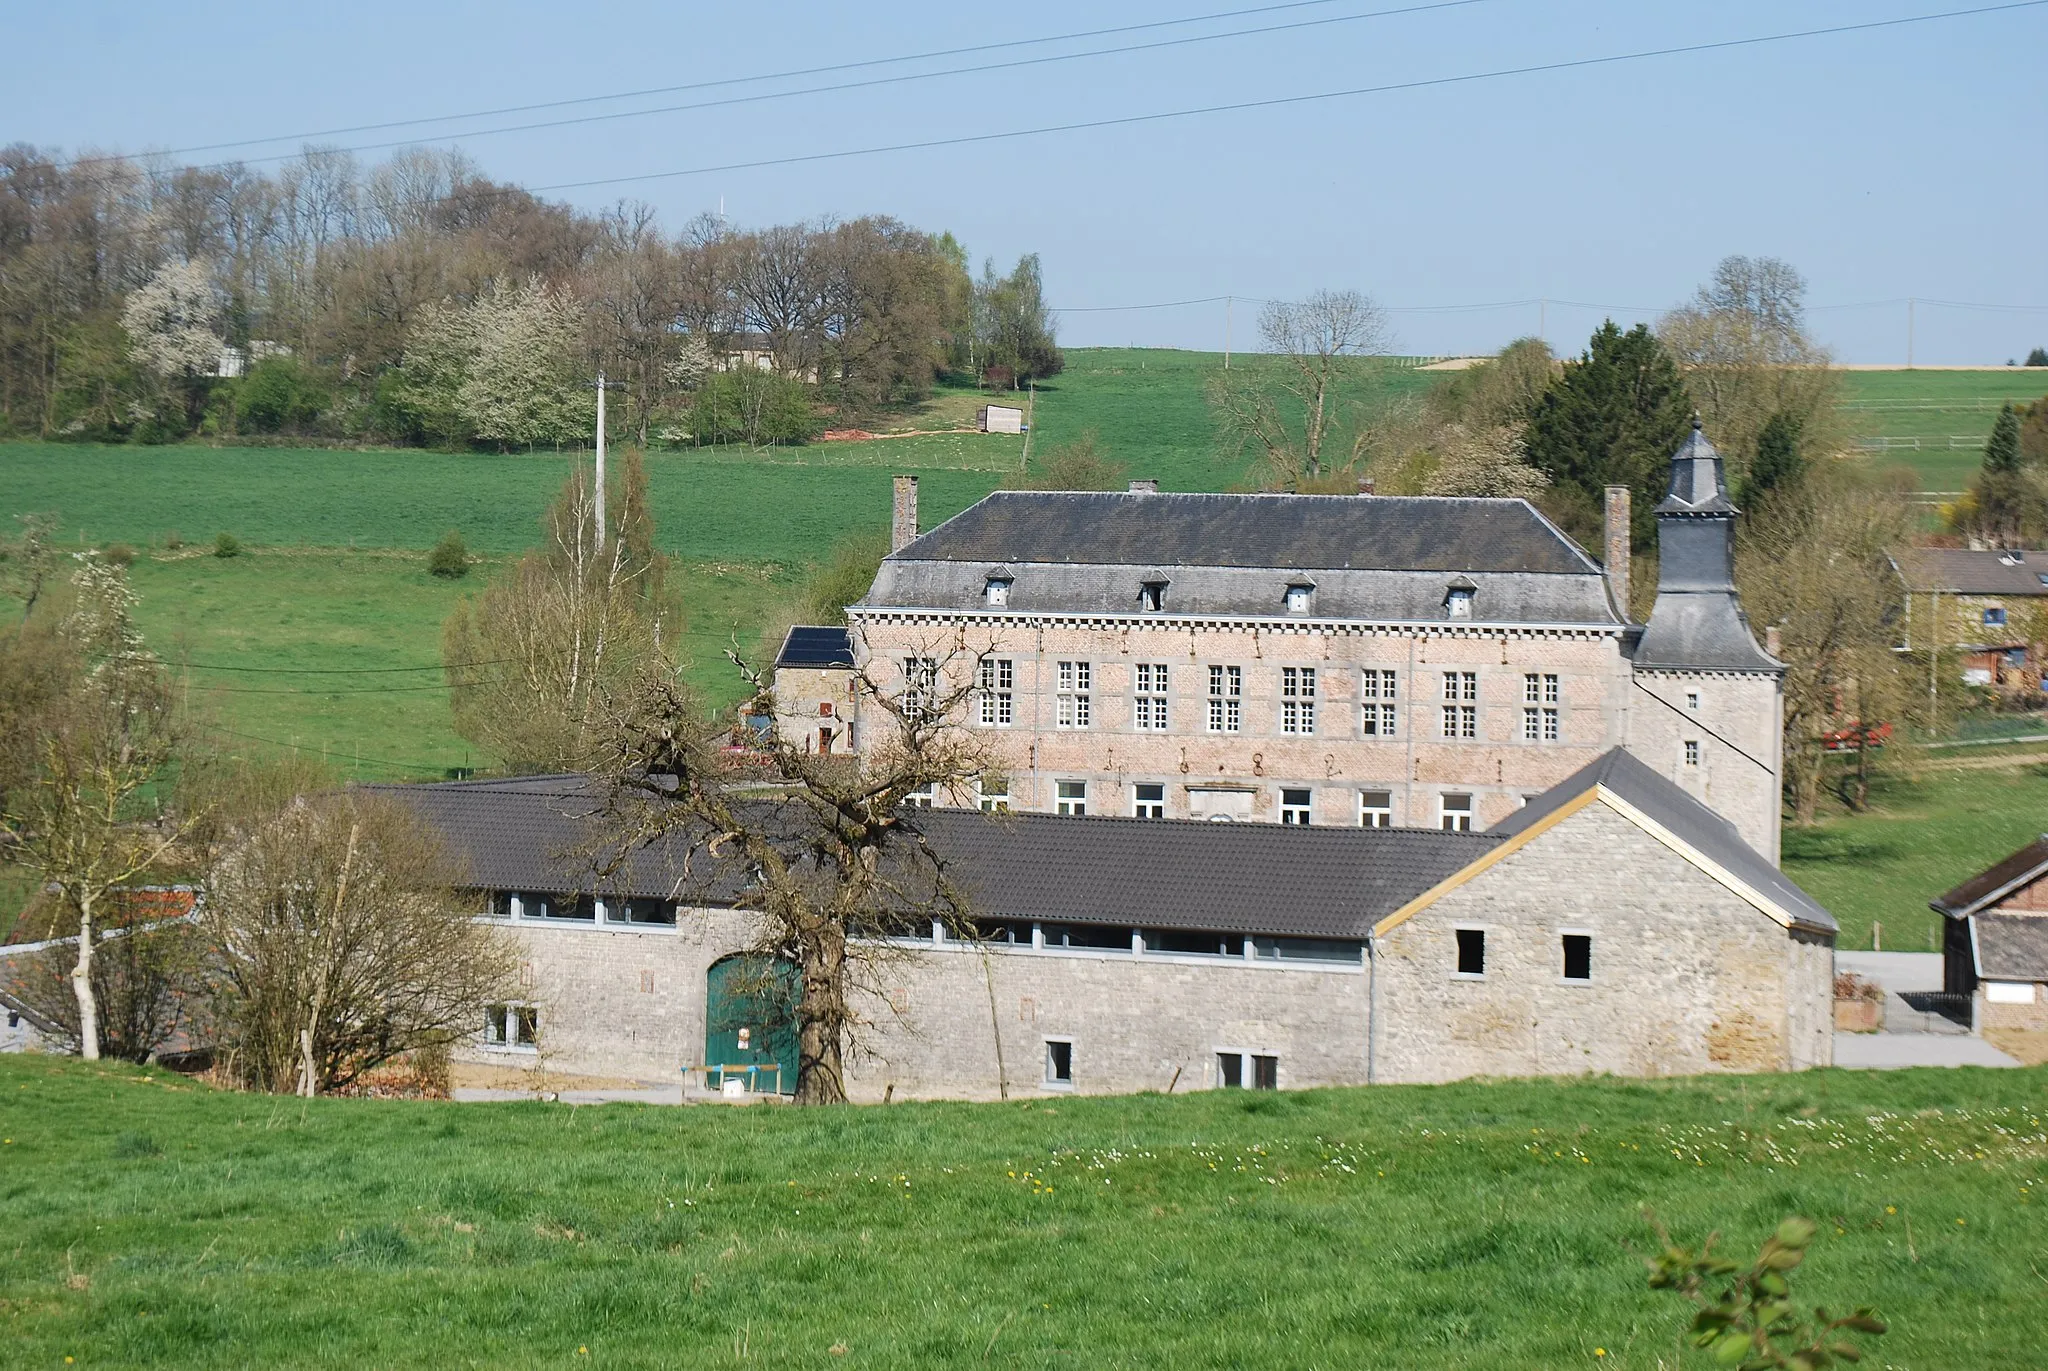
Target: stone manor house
(1328, 660)
(1507, 831)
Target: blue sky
(1896, 163)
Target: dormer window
(1152, 596)
(996, 591)
(1458, 598)
(1301, 597)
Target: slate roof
(1622, 774)
(1697, 623)
(1388, 558)
(1274, 879)
(1399, 533)
(1964, 571)
(814, 647)
(2010, 947)
(1996, 881)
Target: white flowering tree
(173, 323)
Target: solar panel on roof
(808, 646)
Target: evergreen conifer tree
(2002, 449)
(1614, 417)
(1779, 463)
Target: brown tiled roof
(1996, 881)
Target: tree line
(420, 301)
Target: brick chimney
(1144, 487)
(1616, 539)
(903, 514)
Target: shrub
(120, 554)
(747, 405)
(450, 558)
(226, 545)
(173, 541)
(279, 394)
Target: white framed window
(1539, 725)
(1459, 603)
(2009, 992)
(1226, 699)
(1376, 715)
(512, 1027)
(1070, 797)
(921, 797)
(1692, 752)
(1296, 806)
(1148, 800)
(1454, 813)
(1461, 704)
(994, 794)
(1575, 948)
(996, 591)
(1059, 1063)
(1300, 599)
(1237, 1070)
(998, 682)
(1074, 705)
(1297, 699)
(1376, 808)
(920, 683)
(1692, 701)
(1471, 952)
(1148, 696)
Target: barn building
(1615, 923)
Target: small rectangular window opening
(1471, 952)
(1149, 800)
(1578, 956)
(1376, 808)
(1692, 701)
(1457, 813)
(1265, 1073)
(1295, 806)
(1072, 797)
(1059, 1062)
(1692, 752)
(1230, 1070)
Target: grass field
(151, 1222)
(1947, 413)
(1922, 836)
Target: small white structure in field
(1000, 419)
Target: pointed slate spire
(1699, 482)
(1697, 623)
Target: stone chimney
(903, 515)
(1144, 487)
(1774, 642)
(1365, 486)
(1616, 539)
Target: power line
(287, 690)
(342, 670)
(1282, 101)
(780, 76)
(906, 78)
(1531, 303)
(299, 747)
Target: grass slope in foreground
(152, 1222)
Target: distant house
(1990, 605)
(758, 351)
(814, 689)
(21, 1028)
(1996, 946)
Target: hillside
(154, 1222)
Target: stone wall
(1737, 721)
(1686, 976)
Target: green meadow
(1947, 414)
(153, 1222)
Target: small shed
(999, 419)
(1996, 945)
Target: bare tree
(1742, 347)
(571, 621)
(337, 941)
(77, 821)
(829, 846)
(1291, 412)
(1814, 564)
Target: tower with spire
(1707, 702)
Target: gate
(750, 1024)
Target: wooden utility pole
(1228, 302)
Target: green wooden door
(750, 1022)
